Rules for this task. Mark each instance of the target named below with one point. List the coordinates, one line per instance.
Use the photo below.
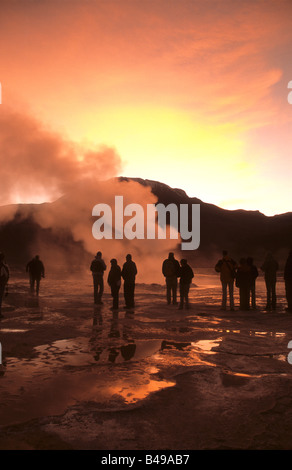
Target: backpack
(169, 268)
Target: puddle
(29, 387)
(11, 330)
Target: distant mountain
(242, 233)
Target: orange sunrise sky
(192, 93)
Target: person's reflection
(97, 316)
(114, 330)
(127, 326)
(96, 333)
(113, 354)
(128, 351)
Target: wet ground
(76, 376)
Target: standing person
(243, 282)
(114, 281)
(270, 268)
(36, 271)
(4, 277)
(129, 273)
(186, 275)
(227, 269)
(288, 281)
(97, 268)
(253, 275)
(170, 270)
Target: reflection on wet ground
(59, 350)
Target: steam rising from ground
(74, 210)
(39, 165)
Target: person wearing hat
(97, 268)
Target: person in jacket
(129, 273)
(186, 275)
(253, 276)
(227, 269)
(243, 282)
(97, 268)
(288, 281)
(4, 277)
(270, 268)
(170, 270)
(114, 281)
(36, 271)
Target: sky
(192, 93)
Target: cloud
(38, 164)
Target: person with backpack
(227, 269)
(4, 277)
(170, 270)
(97, 268)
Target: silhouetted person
(227, 269)
(243, 282)
(186, 275)
(97, 268)
(170, 270)
(253, 276)
(4, 277)
(114, 281)
(288, 281)
(129, 273)
(270, 268)
(36, 271)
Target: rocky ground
(75, 376)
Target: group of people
(172, 271)
(35, 269)
(116, 274)
(244, 277)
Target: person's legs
(168, 290)
(95, 289)
(181, 295)
(274, 296)
(174, 290)
(31, 283)
(186, 295)
(231, 295)
(269, 294)
(115, 295)
(224, 294)
(129, 288)
(38, 280)
(101, 287)
(252, 295)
